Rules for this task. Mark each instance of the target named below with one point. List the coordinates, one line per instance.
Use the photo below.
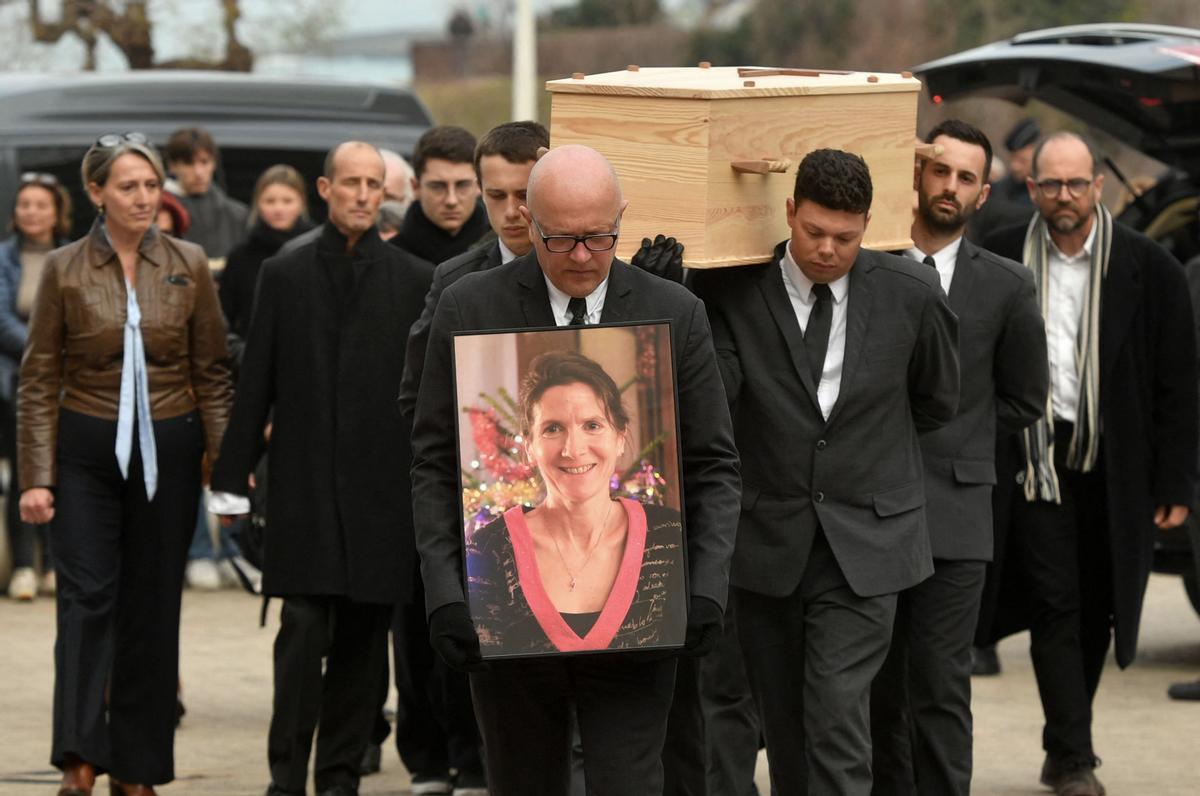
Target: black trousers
(120, 562)
(435, 720)
(342, 699)
(731, 722)
(23, 538)
(621, 701)
(684, 748)
(921, 730)
(810, 658)
(1065, 554)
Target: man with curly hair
(834, 358)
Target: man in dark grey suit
(622, 701)
(833, 358)
(921, 699)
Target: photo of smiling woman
(593, 562)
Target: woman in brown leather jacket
(124, 385)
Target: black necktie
(816, 335)
(930, 261)
(578, 309)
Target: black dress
(514, 617)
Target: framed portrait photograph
(573, 529)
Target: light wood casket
(687, 142)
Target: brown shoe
(116, 788)
(78, 778)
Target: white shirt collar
(947, 255)
(804, 286)
(506, 254)
(559, 301)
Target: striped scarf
(1041, 481)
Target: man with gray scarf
(1112, 459)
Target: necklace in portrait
(597, 534)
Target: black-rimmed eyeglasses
(110, 140)
(1052, 188)
(39, 178)
(561, 244)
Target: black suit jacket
(1004, 378)
(479, 258)
(338, 489)
(858, 475)
(1148, 417)
(515, 295)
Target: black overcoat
(340, 502)
(1148, 417)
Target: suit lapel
(780, 307)
(965, 271)
(533, 296)
(493, 256)
(858, 315)
(619, 296)
(1120, 297)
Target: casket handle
(926, 151)
(763, 166)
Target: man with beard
(1008, 199)
(1112, 458)
(921, 698)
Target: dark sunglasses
(39, 178)
(111, 140)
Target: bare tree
(128, 26)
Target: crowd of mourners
(890, 460)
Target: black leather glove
(704, 625)
(663, 257)
(452, 635)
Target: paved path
(1149, 744)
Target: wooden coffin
(709, 154)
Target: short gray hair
(391, 214)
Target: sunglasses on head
(116, 139)
(39, 178)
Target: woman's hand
(37, 505)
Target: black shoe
(1072, 776)
(338, 790)
(984, 661)
(275, 790)
(372, 760)
(1185, 690)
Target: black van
(47, 122)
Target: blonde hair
(280, 174)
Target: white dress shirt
(506, 254)
(944, 261)
(1066, 296)
(800, 292)
(559, 301)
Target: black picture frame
(521, 591)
